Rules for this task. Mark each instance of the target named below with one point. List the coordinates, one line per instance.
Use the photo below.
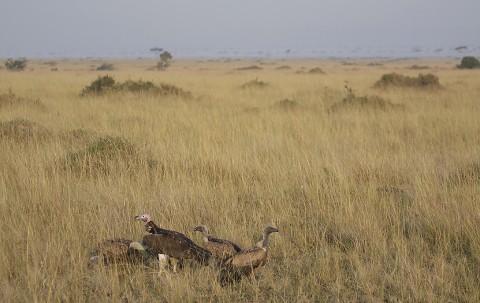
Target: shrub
(136, 86)
(100, 86)
(105, 66)
(469, 62)
(254, 84)
(417, 67)
(23, 130)
(107, 84)
(171, 90)
(251, 67)
(107, 155)
(351, 100)
(397, 80)
(316, 70)
(102, 155)
(16, 64)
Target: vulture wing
(248, 259)
(235, 247)
(242, 264)
(176, 245)
(221, 249)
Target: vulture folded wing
(176, 245)
(242, 264)
(251, 258)
(221, 249)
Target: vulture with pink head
(171, 243)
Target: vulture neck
(206, 235)
(154, 227)
(264, 242)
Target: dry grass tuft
(11, 100)
(255, 83)
(251, 67)
(23, 131)
(287, 104)
(316, 70)
(106, 155)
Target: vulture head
(266, 232)
(145, 218)
(203, 229)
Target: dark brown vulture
(220, 249)
(118, 250)
(171, 243)
(245, 262)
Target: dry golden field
(373, 204)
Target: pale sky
(89, 26)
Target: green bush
(136, 86)
(105, 66)
(469, 62)
(102, 85)
(107, 84)
(397, 80)
(353, 101)
(16, 64)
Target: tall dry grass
(373, 204)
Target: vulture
(118, 250)
(175, 245)
(220, 249)
(163, 260)
(246, 261)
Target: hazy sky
(43, 26)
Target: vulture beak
(198, 228)
(137, 218)
(271, 229)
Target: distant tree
(165, 57)
(469, 62)
(16, 64)
(156, 50)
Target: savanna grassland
(375, 191)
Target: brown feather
(220, 251)
(117, 251)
